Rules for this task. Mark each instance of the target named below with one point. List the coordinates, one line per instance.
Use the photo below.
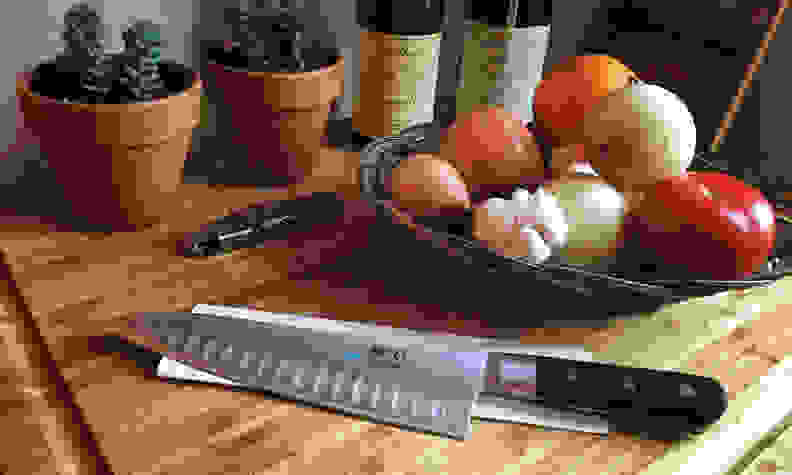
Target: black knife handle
(664, 405)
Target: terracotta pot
(279, 119)
(118, 164)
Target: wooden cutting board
(83, 290)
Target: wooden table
(83, 290)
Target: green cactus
(82, 32)
(83, 58)
(267, 43)
(139, 72)
(85, 73)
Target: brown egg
(424, 184)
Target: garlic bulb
(530, 245)
(527, 226)
(542, 211)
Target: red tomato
(707, 224)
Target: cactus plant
(83, 60)
(139, 72)
(276, 43)
(129, 113)
(87, 74)
(82, 33)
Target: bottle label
(501, 66)
(396, 88)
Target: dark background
(700, 50)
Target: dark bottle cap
(519, 13)
(401, 17)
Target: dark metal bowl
(599, 293)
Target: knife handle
(637, 400)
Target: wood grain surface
(84, 290)
(36, 399)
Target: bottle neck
(401, 17)
(516, 14)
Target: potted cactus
(114, 127)
(279, 83)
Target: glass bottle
(505, 45)
(398, 65)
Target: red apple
(706, 225)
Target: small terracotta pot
(118, 164)
(279, 119)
